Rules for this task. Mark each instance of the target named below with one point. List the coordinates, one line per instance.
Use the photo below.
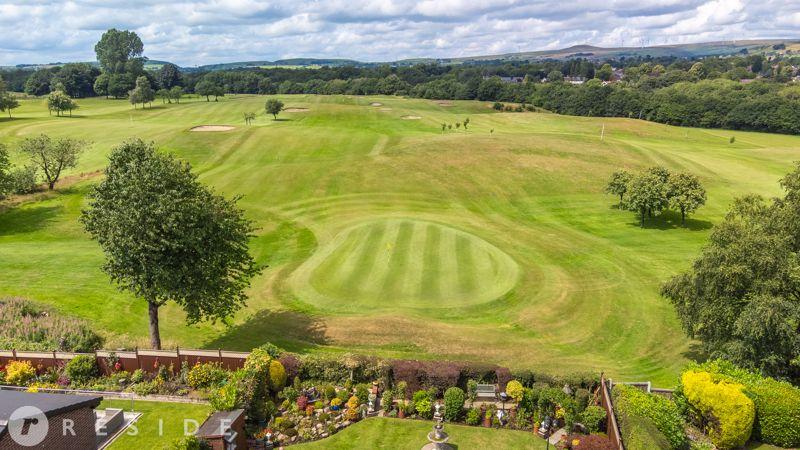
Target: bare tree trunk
(155, 336)
(683, 217)
(51, 185)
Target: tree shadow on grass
(22, 220)
(696, 353)
(670, 220)
(292, 331)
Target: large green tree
(168, 76)
(120, 52)
(167, 237)
(646, 194)
(7, 101)
(52, 156)
(143, 93)
(686, 194)
(741, 297)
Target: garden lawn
(390, 237)
(412, 434)
(149, 436)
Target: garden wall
(147, 360)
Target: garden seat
(486, 391)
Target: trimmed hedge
(727, 411)
(777, 412)
(777, 403)
(647, 419)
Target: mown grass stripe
(360, 264)
(398, 260)
(466, 264)
(413, 275)
(429, 287)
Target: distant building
(507, 79)
(575, 80)
(47, 421)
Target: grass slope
(390, 237)
(411, 434)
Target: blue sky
(212, 31)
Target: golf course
(382, 232)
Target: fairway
(388, 236)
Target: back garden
(352, 401)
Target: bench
(486, 390)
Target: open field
(387, 236)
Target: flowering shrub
(514, 390)
(473, 416)
(729, 412)
(423, 404)
(206, 375)
(19, 373)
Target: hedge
(777, 412)
(649, 414)
(728, 412)
(777, 403)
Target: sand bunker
(443, 103)
(376, 104)
(213, 128)
(386, 109)
(411, 117)
(296, 109)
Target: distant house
(58, 421)
(747, 80)
(575, 80)
(507, 79)
(617, 74)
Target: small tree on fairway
(52, 156)
(444, 127)
(249, 117)
(142, 93)
(8, 102)
(164, 95)
(458, 125)
(273, 106)
(645, 194)
(618, 183)
(166, 237)
(686, 194)
(176, 93)
(59, 102)
(466, 122)
(204, 88)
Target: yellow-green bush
(277, 376)
(515, 390)
(19, 373)
(777, 403)
(727, 411)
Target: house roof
(49, 404)
(219, 423)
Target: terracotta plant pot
(487, 422)
(401, 413)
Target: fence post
(14, 353)
(138, 363)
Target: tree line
(655, 190)
(705, 92)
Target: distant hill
(719, 48)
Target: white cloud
(210, 31)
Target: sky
(198, 32)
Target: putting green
(404, 263)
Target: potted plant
(487, 417)
(536, 422)
(401, 409)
